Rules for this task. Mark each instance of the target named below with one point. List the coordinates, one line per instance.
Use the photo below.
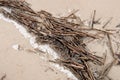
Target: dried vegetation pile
(65, 35)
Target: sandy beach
(23, 64)
(26, 64)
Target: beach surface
(25, 64)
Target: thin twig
(72, 13)
(106, 70)
(107, 23)
(92, 19)
(110, 46)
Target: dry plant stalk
(92, 19)
(106, 70)
(107, 23)
(60, 34)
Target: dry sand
(25, 65)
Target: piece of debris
(3, 77)
(16, 47)
(118, 25)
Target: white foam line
(45, 48)
(69, 74)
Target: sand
(23, 64)
(27, 65)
